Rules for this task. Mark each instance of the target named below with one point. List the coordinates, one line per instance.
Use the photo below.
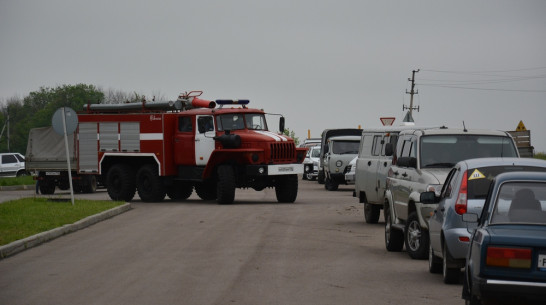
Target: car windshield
(521, 203)
(345, 147)
(237, 121)
(447, 150)
(315, 153)
(479, 179)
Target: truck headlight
(339, 163)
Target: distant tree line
(36, 109)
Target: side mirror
(469, 217)
(428, 197)
(407, 162)
(389, 151)
(281, 124)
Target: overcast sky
(323, 64)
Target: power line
(484, 89)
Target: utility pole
(411, 93)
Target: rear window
(521, 203)
(447, 150)
(479, 179)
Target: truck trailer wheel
(120, 182)
(149, 185)
(47, 187)
(226, 185)
(180, 190)
(286, 188)
(89, 184)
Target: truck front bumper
(274, 170)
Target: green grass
(540, 155)
(26, 217)
(24, 180)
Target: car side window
(449, 184)
(7, 159)
(376, 146)
(184, 124)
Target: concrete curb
(17, 187)
(40, 238)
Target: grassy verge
(24, 180)
(26, 217)
(540, 155)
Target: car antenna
(464, 128)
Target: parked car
(12, 165)
(506, 262)
(340, 151)
(464, 191)
(311, 163)
(350, 171)
(327, 134)
(422, 161)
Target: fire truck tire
(47, 187)
(206, 190)
(180, 191)
(225, 189)
(149, 185)
(120, 182)
(286, 188)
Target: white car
(350, 172)
(12, 165)
(311, 163)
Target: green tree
(290, 133)
(36, 110)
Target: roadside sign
(521, 127)
(387, 121)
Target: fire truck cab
(172, 148)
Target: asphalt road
(256, 251)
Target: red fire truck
(172, 148)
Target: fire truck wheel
(90, 185)
(149, 185)
(286, 188)
(206, 190)
(226, 185)
(180, 190)
(120, 182)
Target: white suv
(12, 165)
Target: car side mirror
(281, 124)
(389, 151)
(407, 162)
(428, 197)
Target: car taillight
(461, 203)
(509, 257)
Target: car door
(383, 166)
(184, 141)
(370, 164)
(437, 219)
(204, 141)
(405, 177)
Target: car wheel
(394, 239)
(416, 238)
(434, 262)
(371, 212)
(451, 275)
(330, 185)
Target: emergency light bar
(232, 102)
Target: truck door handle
(369, 163)
(197, 140)
(385, 164)
(404, 175)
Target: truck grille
(283, 152)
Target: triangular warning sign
(476, 175)
(521, 127)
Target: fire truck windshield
(236, 121)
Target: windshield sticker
(476, 175)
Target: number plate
(53, 173)
(542, 262)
